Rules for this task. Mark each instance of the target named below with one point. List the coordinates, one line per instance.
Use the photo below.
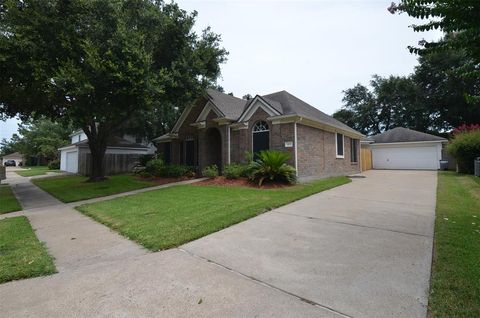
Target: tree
(101, 63)
(43, 137)
(391, 102)
(10, 146)
(460, 20)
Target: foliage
(431, 100)
(465, 147)
(103, 65)
(176, 171)
(455, 288)
(465, 128)
(154, 167)
(458, 19)
(188, 212)
(54, 164)
(8, 201)
(23, 255)
(235, 171)
(144, 159)
(272, 165)
(210, 171)
(10, 146)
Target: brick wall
(316, 154)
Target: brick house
(219, 129)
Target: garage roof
(401, 134)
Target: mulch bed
(240, 182)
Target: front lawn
(21, 254)
(34, 171)
(455, 285)
(76, 188)
(8, 201)
(169, 217)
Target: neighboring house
(219, 129)
(402, 148)
(18, 157)
(75, 158)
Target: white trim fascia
(375, 144)
(284, 119)
(222, 121)
(336, 146)
(257, 103)
(182, 118)
(295, 141)
(239, 126)
(199, 125)
(209, 106)
(66, 147)
(316, 124)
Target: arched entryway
(213, 143)
(260, 137)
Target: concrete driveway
(359, 250)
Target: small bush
(272, 165)
(175, 171)
(154, 167)
(210, 171)
(465, 147)
(144, 159)
(54, 165)
(234, 171)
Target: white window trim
(336, 146)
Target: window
(167, 149)
(339, 145)
(260, 137)
(353, 150)
(190, 152)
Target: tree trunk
(97, 142)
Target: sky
(312, 49)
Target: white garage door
(72, 162)
(424, 158)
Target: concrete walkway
(359, 250)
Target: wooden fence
(114, 163)
(366, 158)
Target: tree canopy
(101, 64)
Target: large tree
(100, 64)
(458, 19)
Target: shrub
(54, 164)
(175, 171)
(272, 165)
(154, 167)
(234, 171)
(210, 171)
(144, 159)
(464, 147)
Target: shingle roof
(231, 107)
(284, 102)
(114, 142)
(400, 134)
(13, 155)
(292, 105)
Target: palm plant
(272, 165)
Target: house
(121, 154)
(18, 157)
(219, 129)
(402, 148)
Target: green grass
(169, 217)
(34, 171)
(21, 254)
(8, 201)
(76, 188)
(455, 285)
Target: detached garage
(402, 148)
